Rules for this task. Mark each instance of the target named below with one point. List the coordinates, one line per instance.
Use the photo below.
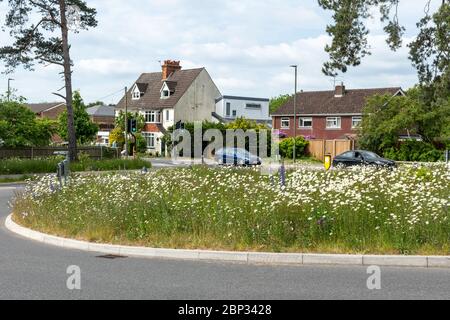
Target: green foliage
(287, 147)
(414, 151)
(109, 165)
(245, 124)
(118, 134)
(86, 130)
(429, 52)
(33, 25)
(19, 126)
(141, 144)
(277, 102)
(238, 124)
(385, 118)
(48, 165)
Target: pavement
(31, 270)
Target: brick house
(168, 97)
(48, 110)
(327, 115)
(104, 117)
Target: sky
(247, 47)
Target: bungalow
(48, 110)
(327, 115)
(168, 97)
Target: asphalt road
(30, 270)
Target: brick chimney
(169, 67)
(340, 91)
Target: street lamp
(295, 112)
(8, 94)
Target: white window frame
(288, 120)
(228, 110)
(302, 121)
(152, 117)
(149, 137)
(359, 120)
(167, 115)
(337, 120)
(136, 95)
(163, 96)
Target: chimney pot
(340, 91)
(169, 67)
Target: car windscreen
(370, 155)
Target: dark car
(362, 158)
(237, 157)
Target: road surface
(31, 270)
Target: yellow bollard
(328, 162)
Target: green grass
(365, 210)
(20, 166)
(17, 179)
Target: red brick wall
(54, 113)
(151, 127)
(319, 130)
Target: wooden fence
(42, 152)
(319, 148)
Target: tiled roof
(180, 81)
(325, 102)
(41, 107)
(101, 111)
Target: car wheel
(340, 166)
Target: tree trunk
(68, 83)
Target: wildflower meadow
(360, 210)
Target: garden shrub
(415, 151)
(287, 147)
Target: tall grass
(404, 211)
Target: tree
(386, 118)
(32, 25)
(117, 136)
(277, 102)
(19, 126)
(429, 52)
(86, 130)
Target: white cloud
(106, 66)
(247, 47)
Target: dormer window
(165, 94)
(167, 89)
(139, 90)
(136, 95)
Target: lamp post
(126, 122)
(295, 112)
(8, 94)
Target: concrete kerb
(252, 258)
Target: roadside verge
(239, 257)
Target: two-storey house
(326, 115)
(168, 97)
